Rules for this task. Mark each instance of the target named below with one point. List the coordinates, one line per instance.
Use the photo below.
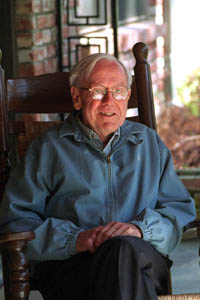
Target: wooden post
(144, 86)
(16, 273)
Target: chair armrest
(192, 230)
(16, 271)
(194, 224)
(15, 236)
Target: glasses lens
(120, 93)
(98, 93)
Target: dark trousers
(123, 268)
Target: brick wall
(36, 37)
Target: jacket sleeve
(23, 209)
(163, 226)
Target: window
(131, 10)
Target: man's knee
(129, 245)
(134, 249)
(126, 241)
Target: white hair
(83, 69)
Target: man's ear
(129, 93)
(76, 98)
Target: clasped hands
(91, 239)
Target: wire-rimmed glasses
(98, 92)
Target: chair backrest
(21, 99)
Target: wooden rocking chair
(20, 99)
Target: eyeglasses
(98, 92)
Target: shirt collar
(86, 130)
(93, 136)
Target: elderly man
(101, 195)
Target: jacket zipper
(111, 212)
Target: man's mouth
(107, 113)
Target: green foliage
(189, 92)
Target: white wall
(185, 39)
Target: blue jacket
(65, 185)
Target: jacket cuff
(71, 241)
(146, 231)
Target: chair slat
(49, 93)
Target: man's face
(105, 116)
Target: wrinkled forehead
(107, 70)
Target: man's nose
(108, 96)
